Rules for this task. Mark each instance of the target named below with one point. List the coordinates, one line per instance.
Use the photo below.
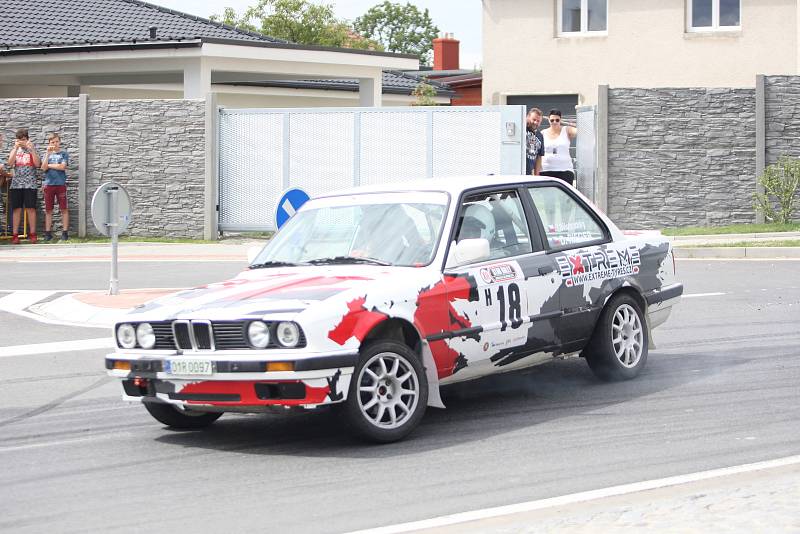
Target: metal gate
(586, 151)
(263, 152)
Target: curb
(737, 252)
(733, 237)
(69, 309)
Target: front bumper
(235, 383)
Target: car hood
(262, 291)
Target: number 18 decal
(512, 300)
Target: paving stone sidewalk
(765, 501)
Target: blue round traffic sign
(288, 205)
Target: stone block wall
(42, 116)
(782, 109)
(782, 121)
(681, 157)
(156, 150)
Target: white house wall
(646, 46)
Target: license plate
(189, 367)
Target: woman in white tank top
(557, 161)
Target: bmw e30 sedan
(370, 299)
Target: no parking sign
(288, 205)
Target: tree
(297, 21)
(781, 182)
(400, 28)
(424, 94)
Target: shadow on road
(475, 410)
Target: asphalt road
(720, 390)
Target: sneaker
(15, 239)
(64, 236)
(48, 236)
(32, 238)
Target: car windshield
(382, 229)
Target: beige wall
(647, 46)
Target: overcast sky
(460, 17)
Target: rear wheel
(388, 393)
(618, 348)
(176, 418)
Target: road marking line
(57, 346)
(737, 259)
(692, 295)
(19, 300)
(63, 442)
(487, 513)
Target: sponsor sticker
(588, 266)
(498, 273)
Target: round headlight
(126, 336)
(258, 334)
(145, 336)
(288, 334)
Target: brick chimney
(445, 53)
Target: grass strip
(751, 244)
(733, 229)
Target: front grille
(202, 335)
(185, 334)
(164, 338)
(183, 339)
(229, 335)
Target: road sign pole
(113, 218)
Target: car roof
(449, 184)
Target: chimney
(445, 53)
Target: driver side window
(499, 218)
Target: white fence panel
(586, 151)
(262, 152)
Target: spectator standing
(534, 142)
(4, 176)
(22, 195)
(54, 165)
(557, 161)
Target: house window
(713, 15)
(582, 16)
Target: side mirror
(252, 254)
(468, 251)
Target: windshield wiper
(268, 264)
(344, 260)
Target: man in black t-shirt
(534, 142)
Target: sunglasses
(554, 120)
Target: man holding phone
(22, 195)
(54, 166)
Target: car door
(506, 304)
(588, 266)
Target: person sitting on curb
(22, 195)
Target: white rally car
(373, 298)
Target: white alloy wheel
(388, 394)
(618, 348)
(627, 336)
(388, 390)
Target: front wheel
(181, 419)
(388, 394)
(618, 348)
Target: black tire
(618, 347)
(175, 418)
(369, 413)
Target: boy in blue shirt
(54, 165)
